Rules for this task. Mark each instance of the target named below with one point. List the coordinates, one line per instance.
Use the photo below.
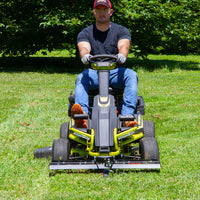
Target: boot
(76, 109)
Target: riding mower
(105, 144)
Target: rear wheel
(148, 149)
(64, 130)
(149, 129)
(60, 150)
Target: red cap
(106, 3)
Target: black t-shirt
(104, 42)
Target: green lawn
(33, 104)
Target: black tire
(64, 130)
(60, 150)
(44, 152)
(149, 129)
(148, 149)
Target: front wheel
(60, 150)
(148, 149)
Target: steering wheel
(101, 56)
(103, 65)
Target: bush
(156, 26)
(170, 27)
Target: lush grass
(33, 104)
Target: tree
(30, 25)
(156, 26)
(159, 26)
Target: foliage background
(156, 26)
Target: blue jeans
(119, 78)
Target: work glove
(121, 59)
(85, 59)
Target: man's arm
(84, 48)
(123, 46)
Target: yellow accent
(77, 139)
(104, 99)
(140, 121)
(123, 133)
(90, 142)
(98, 154)
(84, 134)
(115, 139)
(71, 123)
(81, 152)
(132, 138)
(96, 67)
(90, 145)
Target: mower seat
(117, 93)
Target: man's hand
(121, 59)
(85, 59)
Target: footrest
(126, 118)
(80, 116)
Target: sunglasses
(103, 11)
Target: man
(104, 37)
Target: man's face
(102, 14)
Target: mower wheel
(149, 129)
(148, 149)
(60, 150)
(64, 130)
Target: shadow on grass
(151, 65)
(41, 64)
(73, 65)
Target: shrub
(156, 26)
